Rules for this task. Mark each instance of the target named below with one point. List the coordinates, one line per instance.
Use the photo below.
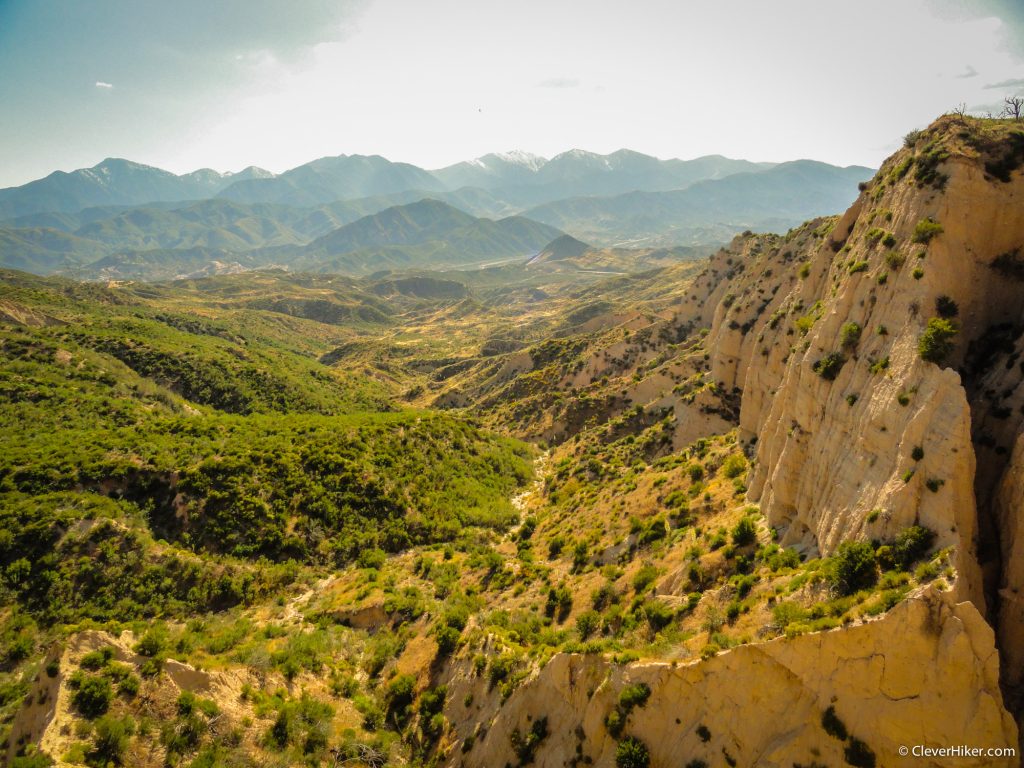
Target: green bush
(644, 578)
(559, 603)
(372, 558)
(110, 741)
(92, 694)
(399, 697)
(853, 567)
(936, 343)
(632, 753)
(895, 259)
(34, 760)
(658, 614)
(635, 695)
(555, 547)
(304, 722)
(849, 335)
(526, 747)
(152, 643)
(925, 230)
(447, 638)
(911, 545)
(587, 623)
(829, 366)
(734, 466)
(745, 532)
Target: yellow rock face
(924, 675)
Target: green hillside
(119, 411)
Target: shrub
(615, 722)
(805, 270)
(587, 623)
(555, 547)
(371, 558)
(635, 695)
(859, 266)
(875, 235)
(786, 612)
(559, 603)
(644, 578)
(911, 545)
(925, 230)
(35, 760)
(654, 531)
(307, 721)
(604, 596)
(526, 747)
(399, 696)
(92, 694)
(152, 643)
(447, 638)
(580, 556)
(849, 335)
(110, 740)
(878, 366)
(895, 259)
(632, 753)
(918, 273)
(658, 614)
(918, 453)
(937, 340)
(853, 567)
(829, 366)
(745, 532)
(95, 660)
(734, 466)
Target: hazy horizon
(437, 83)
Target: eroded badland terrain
(763, 509)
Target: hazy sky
(275, 83)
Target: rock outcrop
(926, 674)
(876, 357)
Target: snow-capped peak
(518, 157)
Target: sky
(275, 83)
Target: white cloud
(1014, 83)
(101, 84)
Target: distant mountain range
(116, 182)
(775, 198)
(362, 213)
